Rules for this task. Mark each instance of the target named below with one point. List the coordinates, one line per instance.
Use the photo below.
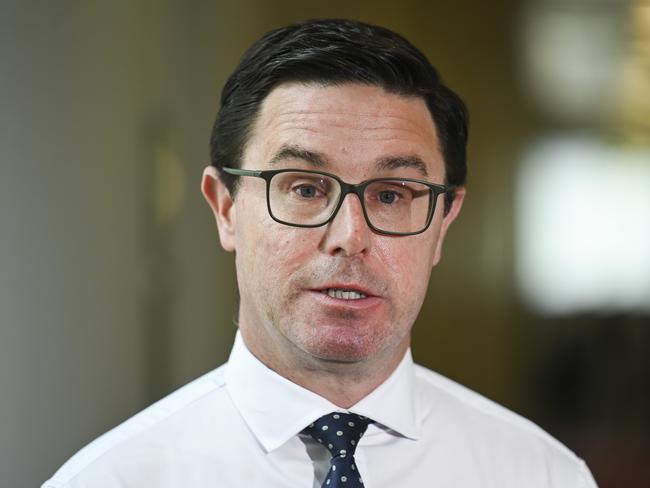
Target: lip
(370, 301)
(365, 304)
(345, 286)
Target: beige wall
(103, 307)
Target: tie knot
(339, 432)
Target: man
(338, 164)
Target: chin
(341, 346)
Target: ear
(459, 197)
(221, 203)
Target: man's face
(284, 272)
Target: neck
(342, 383)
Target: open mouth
(344, 294)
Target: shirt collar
(275, 409)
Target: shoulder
(471, 403)
(494, 436)
(157, 424)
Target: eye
(306, 190)
(387, 196)
(391, 193)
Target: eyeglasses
(302, 198)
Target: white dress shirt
(240, 426)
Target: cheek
(270, 253)
(409, 260)
(407, 253)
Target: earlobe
(221, 203)
(459, 197)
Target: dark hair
(334, 52)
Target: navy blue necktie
(340, 433)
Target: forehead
(352, 126)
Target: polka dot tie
(340, 433)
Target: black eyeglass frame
(435, 190)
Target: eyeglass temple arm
(437, 190)
(241, 172)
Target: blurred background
(113, 288)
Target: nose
(348, 233)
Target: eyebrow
(296, 152)
(319, 160)
(407, 161)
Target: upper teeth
(345, 294)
